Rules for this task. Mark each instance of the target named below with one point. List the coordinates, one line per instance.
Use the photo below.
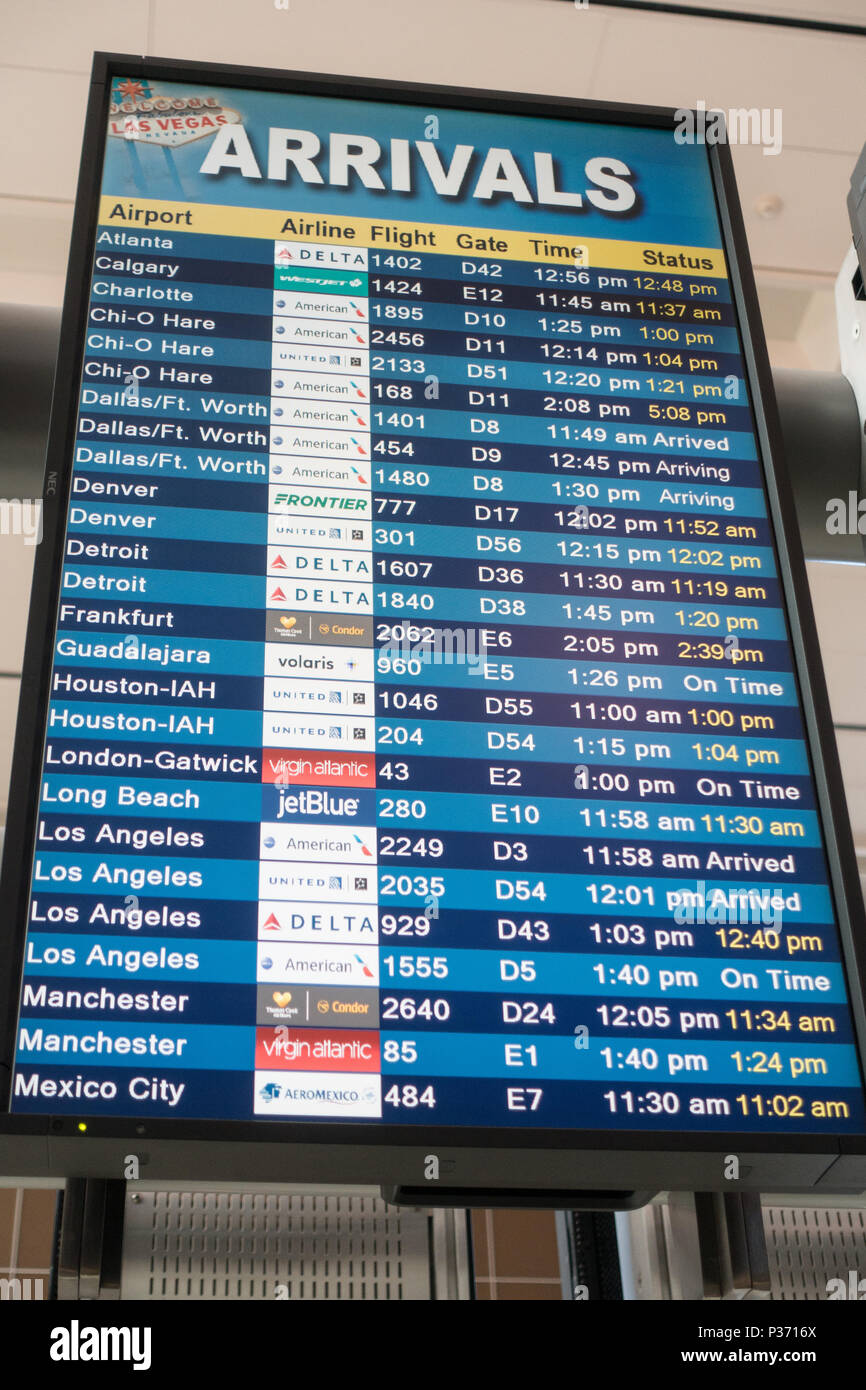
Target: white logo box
(319, 697)
(314, 883)
(337, 733)
(300, 412)
(319, 442)
(319, 1093)
(295, 253)
(326, 923)
(320, 531)
(319, 502)
(316, 842)
(318, 596)
(319, 662)
(296, 303)
(345, 387)
(321, 333)
(296, 471)
(303, 964)
(306, 562)
(306, 356)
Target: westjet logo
(77, 1343)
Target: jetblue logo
(317, 803)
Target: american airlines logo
(317, 965)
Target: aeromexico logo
(138, 112)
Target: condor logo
(323, 1006)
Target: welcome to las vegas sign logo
(136, 113)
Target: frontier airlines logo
(302, 501)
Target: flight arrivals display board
(427, 731)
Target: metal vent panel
(808, 1246)
(263, 1245)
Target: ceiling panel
(852, 756)
(839, 600)
(16, 573)
(670, 60)
(8, 710)
(812, 230)
(62, 34)
(42, 162)
(33, 235)
(519, 44)
(842, 11)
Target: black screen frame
(474, 1157)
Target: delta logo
(316, 1049)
